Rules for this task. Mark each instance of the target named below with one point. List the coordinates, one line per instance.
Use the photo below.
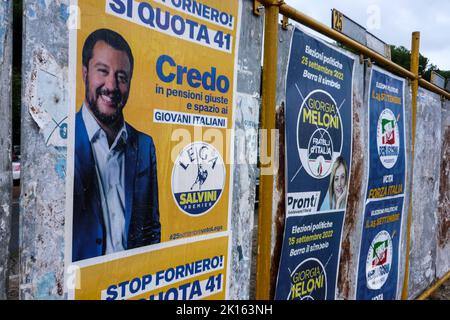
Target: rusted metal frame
(285, 23)
(256, 7)
(415, 45)
(267, 123)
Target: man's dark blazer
(141, 195)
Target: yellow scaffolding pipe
(415, 45)
(267, 123)
(426, 294)
(428, 85)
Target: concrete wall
(245, 172)
(5, 139)
(351, 237)
(43, 187)
(42, 203)
(425, 192)
(443, 227)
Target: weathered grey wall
(358, 183)
(42, 204)
(443, 241)
(351, 237)
(425, 192)
(246, 120)
(5, 139)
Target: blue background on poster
(389, 289)
(303, 182)
(376, 169)
(337, 69)
(328, 256)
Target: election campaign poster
(149, 158)
(380, 240)
(318, 154)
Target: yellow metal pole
(426, 294)
(415, 44)
(267, 123)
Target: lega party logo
(379, 260)
(308, 281)
(198, 178)
(388, 142)
(319, 133)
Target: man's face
(107, 81)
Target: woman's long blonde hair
(339, 161)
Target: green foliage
(402, 56)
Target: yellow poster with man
(149, 161)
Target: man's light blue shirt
(110, 167)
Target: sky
(393, 21)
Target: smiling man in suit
(115, 185)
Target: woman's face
(339, 181)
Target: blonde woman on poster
(337, 191)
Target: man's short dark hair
(112, 38)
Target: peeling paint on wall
(350, 245)
(408, 187)
(425, 192)
(45, 286)
(279, 188)
(5, 140)
(48, 102)
(243, 209)
(61, 163)
(443, 243)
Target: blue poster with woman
(318, 155)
